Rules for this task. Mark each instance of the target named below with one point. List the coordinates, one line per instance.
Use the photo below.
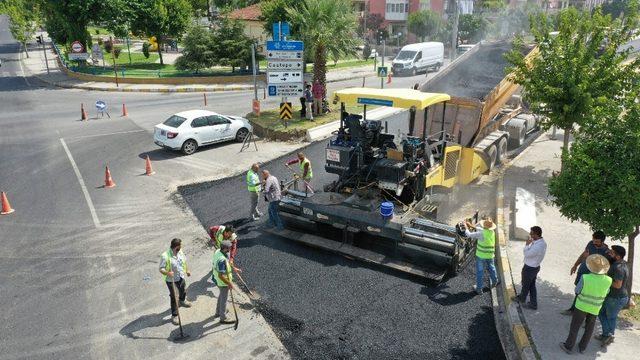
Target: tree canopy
(328, 28)
(25, 16)
(424, 24)
(576, 69)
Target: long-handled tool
(235, 311)
(175, 297)
(238, 271)
(297, 177)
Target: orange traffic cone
(389, 79)
(6, 207)
(108, 181)
(148, 167)
(124, 110)
(83, 112)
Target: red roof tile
(251, 13)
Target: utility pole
(255, 78)
(44, 49)
(384, 51)
(454, 30)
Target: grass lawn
(632, 315)
(137, 59)
(270, 118)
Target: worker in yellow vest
(173, 267)
(254, 187)
(485, 233)
(306, 172)
(592, 289)
(223, 276)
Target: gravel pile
(324, 306)
(475, 76)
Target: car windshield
(406, 55)
(174, 121)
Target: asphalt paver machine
(381, 208)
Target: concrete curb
(322, 132)
(520, 335)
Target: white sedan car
(191, 129)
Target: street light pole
(255, 79)
(454, 30)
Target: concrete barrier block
(525, 213)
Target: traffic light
(379, 37)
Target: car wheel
(492, 153)
(438, 67)
(189, 147)
(502, 151)
(241, 134)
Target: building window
(425, 5)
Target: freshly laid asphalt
(324, 306)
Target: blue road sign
(382, 71)
(281, 28)
(285, 45)
(367, 101)
(272, 90)
(101, 105)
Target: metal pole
(113, 56)
(384, 52)
(454, 31)
(364, 31)
(255, 79)
(44, 49)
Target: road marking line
(94, 216)
(107, 134)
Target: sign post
(382, 64)
(284, 68)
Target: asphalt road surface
(324, 306)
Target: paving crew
(221, 233)
(223, 276)
(306, 172)
(173, 267)
(485, 251)
(254, 187)
(273, 195)
(591, 291)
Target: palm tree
(328, 28)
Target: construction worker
(485, 251)
(592, 290)
(223, 276)
(219, 233)
(254, 188)
(306, 172)
(173, 267)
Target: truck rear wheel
(518, 140)
(492, 153)
(502, 151)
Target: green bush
(108, 46)
(145, 49)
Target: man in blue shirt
(595, 246)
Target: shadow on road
(145, 322)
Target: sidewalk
(565, 241)
(35, 66)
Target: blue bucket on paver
(386, 209)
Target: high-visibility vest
(486, 248)
(217, 256)
(310, 173)
(219, 237)
(594, 289)
(252, 184)
(167, 255)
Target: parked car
(188, 130)
(415, 58)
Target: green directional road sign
(383, 71)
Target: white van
(414, 58)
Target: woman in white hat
(485, 251)
(591, 290)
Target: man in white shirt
(534, 251)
